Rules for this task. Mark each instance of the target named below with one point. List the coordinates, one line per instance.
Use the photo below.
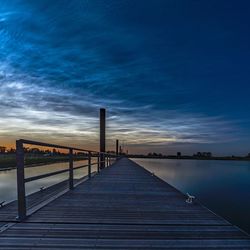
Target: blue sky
(173, 75)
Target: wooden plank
(90, 231)
(64, 243)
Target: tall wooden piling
(102, 136)
(117, 147)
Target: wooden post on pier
(102, 137)
(89, 164)
(98, 162)
(71, 170)
(117, 147)
(20, 181)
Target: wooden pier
(122, 207)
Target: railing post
(98, 162)
(89, 165)
(20, 180)
(103, 160)
(71, 170)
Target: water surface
(222, 186)
(8, 190)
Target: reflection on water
(223, 186)
(8, 178)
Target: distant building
(203, 154)
(209, 154)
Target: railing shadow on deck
(103, 160)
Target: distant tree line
(52, 152)
(198, 155)
(38, 151)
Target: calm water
(223, 186)
(8, 178)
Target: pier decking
(123, 207)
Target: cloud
(65, 60)
(59, 114)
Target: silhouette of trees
(2, 149)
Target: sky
(173, 75)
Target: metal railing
(103, 160)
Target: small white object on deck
(190, 198)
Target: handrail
(44, 144)
(103, 159)
(33, 178)
(83, 166)
(37, 177)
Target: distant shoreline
(219, 158)
(35, 162)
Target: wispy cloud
(60, 115)
(61, 61)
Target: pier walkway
(123, 207)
